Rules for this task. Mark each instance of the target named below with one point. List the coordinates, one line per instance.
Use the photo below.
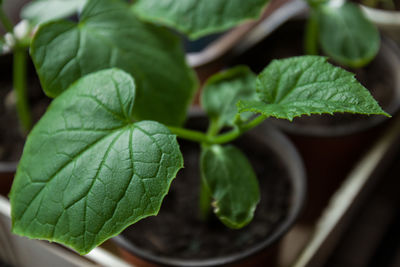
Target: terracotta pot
(272, 144)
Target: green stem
(235, 133)
(19, 80)
(311, 34)
(200, 137)
(191, 135)
(6, 21)
(213, 129)
(204, 201)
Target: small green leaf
(346, 34)
(41, 11)
(223, 90)
(109, 35)
(232, 183)
(307, 85)
(88, 171)
(199, 18)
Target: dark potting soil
(287, 41)
(11, 138)
(178, 232)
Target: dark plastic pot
(263, 252)
(7, 171)
(387, 21)
(11, 137)
(330, 149)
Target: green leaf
(109, 35)
(223, 90)
(40, 11)
(305, 85)
(199, 18)
(232, 183)
(346, 34)
(88, 171)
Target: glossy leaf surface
(88, 171)
(109, 35)
(307, 85)
(199, 18)
(232, 183)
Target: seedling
(342, 31)
(105, 153)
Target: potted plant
(22, 99)
(385, 14)
(345, 137)
(342, 31)
(105, 153)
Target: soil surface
(178, 232)
(287, 41)
(11, 137)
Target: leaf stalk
(201, 137)
(19, 82)
(5, 20)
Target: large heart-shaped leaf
(232, 183)
(307, 85)
(109, 35)
(88, 171)
(346, 34)
(223, 90)
(198, 18)
(40, 11)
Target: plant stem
(6, 21)
(311, 34)
(213, 129)
(191, 135)
(200, 137)
(235, 133)
(204, 201)
(19, 81)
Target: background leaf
(109, 35)
(87, 171)
(346, 34)
(232, 183)
(304, 85)
(223, 90)
(40, 11)
(199, 18)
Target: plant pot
(207, 55)
(388, 21)
(331, 145)
(11, 138)
(282, 184)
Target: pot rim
(390, 53)
(381, 16)
(287, 153)
(8, 167)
